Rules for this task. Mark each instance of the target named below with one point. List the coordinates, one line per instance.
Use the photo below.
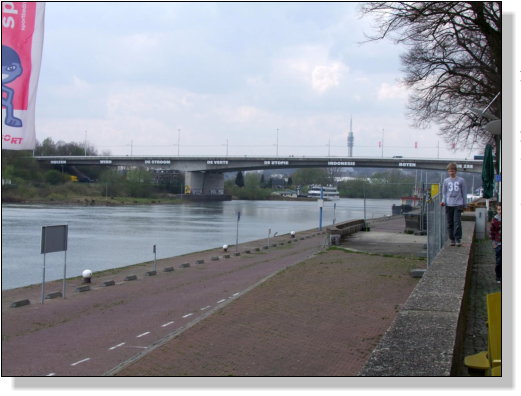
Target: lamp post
(85, 143)
(382, 143)
(277, 142)
(178, 140)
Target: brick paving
(483, 282)
(321, 317)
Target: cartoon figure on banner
(11, 70)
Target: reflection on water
(101, 238)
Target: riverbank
(126, 201)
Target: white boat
(328, 193)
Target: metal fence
(436, 227)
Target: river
(102, 238)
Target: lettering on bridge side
(340, 163)
(216, 162)
(276, 162)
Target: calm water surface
(102, 238)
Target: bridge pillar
(209, 184)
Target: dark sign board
(54, 238)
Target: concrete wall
(205, 183)
(427, 336)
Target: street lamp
(277, 142)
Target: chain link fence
(437, 233)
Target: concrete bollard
(87, 274)
(20, 303)
(131, 278)
(256, 250)
(199, 261)
(168, 269)
(215, 258)
(237, 254)
(185, 265)
(265, 247)
(226, 256)
(150, 273)
(52, 295)
(108, 283)
(82, 289)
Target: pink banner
(22, 42)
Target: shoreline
(126, 201)
(218, 249)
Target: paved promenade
(292, 310)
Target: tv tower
(350, 140)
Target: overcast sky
(122, 73)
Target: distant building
(165, 176)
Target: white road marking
(218, 302)
(50, 375)
(236, 294)
(166, 324)
(141, 335)
(81, 361)
(202, 309)
(186, 316)
(114, 347)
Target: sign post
(54, 239)
(269, 233)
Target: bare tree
(452, 62)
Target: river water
(102, 238)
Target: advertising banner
(22, 42)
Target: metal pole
(64, 273)
(277, 142)
(155, 267)
(322, 203)
(382, 143)
(365, 225)
(269, 233)
(85, 143)
(334, 213)
(43, 278)
(178, 140)
(237, 239)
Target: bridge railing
(436, 227)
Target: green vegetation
(251, 189)
(383, 185)
(32, 181)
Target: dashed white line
(81, 361)
(50, 375)
(141, 335)
(202, 309)
(186, 316)
(236, 294)
(166, 324)
(218, 302)
(114, 347)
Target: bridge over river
(205, 174)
